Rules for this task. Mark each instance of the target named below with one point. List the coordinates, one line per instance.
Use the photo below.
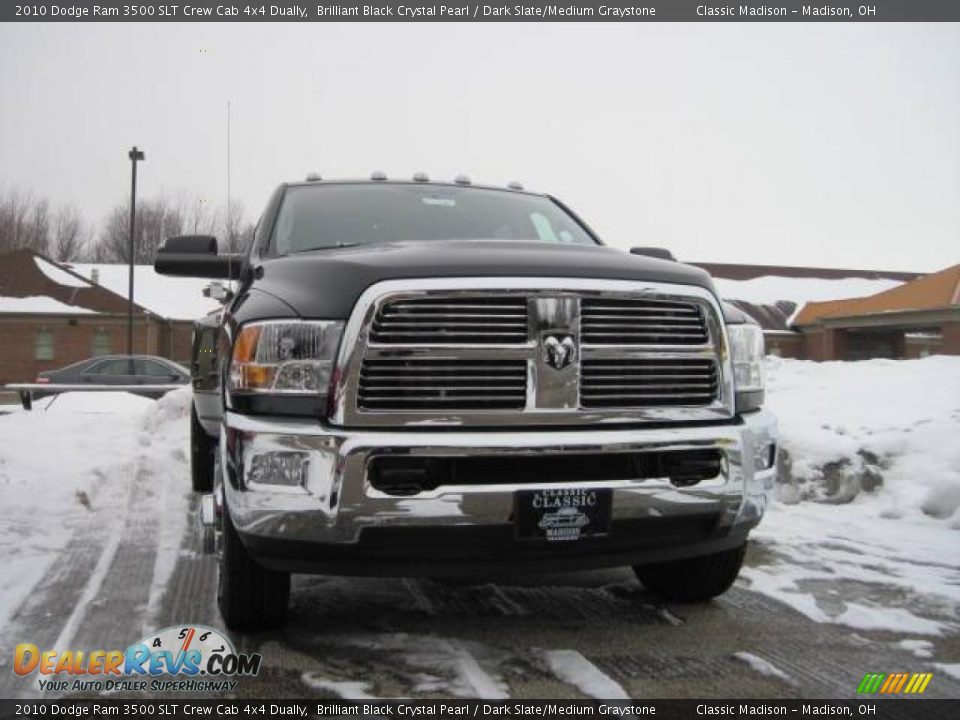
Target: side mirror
(217, 291)
(196, 256)
(193, 244)
(654, 252)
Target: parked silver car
(116, 370)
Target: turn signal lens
(285, 357)
(747, 353)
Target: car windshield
(327, 216)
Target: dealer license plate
(562, 514)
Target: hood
(327, 283)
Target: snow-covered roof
(769, 290)
(58, 274)
(40, 305)
(175, 298)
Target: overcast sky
(830, 145)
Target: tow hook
(209, 514)
(207, 511)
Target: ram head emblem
(559, 350)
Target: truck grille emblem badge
(559, 350)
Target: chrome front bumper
(336, 504)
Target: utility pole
(134, 155)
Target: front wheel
(250, 596)
(202, 450)
(693, 579)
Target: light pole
(134, 155)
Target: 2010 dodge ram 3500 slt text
(418, 378)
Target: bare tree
(199, 216)
(28, 221)
(237, 231)
(70, 235)
(24, 221)
(156, 221)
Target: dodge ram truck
(416, 378)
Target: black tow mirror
(196, 256)
(654, 252)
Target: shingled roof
(930, 292)
(26, 274)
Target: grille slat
(616, 383)
(410, 384)
(681, 318)
(619, 321)
(447, 321)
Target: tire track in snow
(66, 588)
(103, 585)
(115, 619)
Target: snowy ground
(867, 531)
(856, 565)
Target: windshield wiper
(331, 247)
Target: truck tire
(202, 449)
(250, 596)
(694, 579)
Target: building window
(43, 345)
(100, 343)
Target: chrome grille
(641, 321)
(465, 352)
(407, 384)
(461, 320)
(647, 382)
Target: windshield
(343, 215)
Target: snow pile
(884, 428)
(573, 668)
(874, 445)
(64, 464)
(769, 290)
(764, 667)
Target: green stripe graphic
(871, 682)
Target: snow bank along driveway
(82, 464)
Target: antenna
(229, 218)
(228, 160)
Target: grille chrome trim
(356, 345)
(641, 321)
(654, 383)
(488, 320)
(400, 385)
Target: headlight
(282, 357)
(747, 354)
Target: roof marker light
(378, 175)
(420, 177)
(515, 185)
(314, 177)
(461, 180)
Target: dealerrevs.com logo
(198, 658)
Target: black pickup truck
(427, 378)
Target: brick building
(772, 295)
(52, 316)
(918, 318)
